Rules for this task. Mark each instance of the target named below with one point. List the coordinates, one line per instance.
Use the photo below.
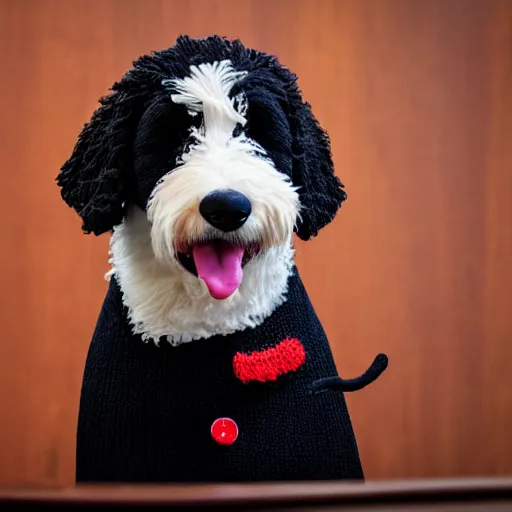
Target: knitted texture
(269, 364)
(146, 411)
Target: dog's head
(215, 143)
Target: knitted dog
(208, 362)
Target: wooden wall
(417, 98)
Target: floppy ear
(94, 180)
(320, 191)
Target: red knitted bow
(267, 365)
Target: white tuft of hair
(207, 89)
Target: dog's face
(214, 142)
(224, 201)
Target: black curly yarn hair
(136, 134)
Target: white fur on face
(163, 298)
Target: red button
(224, 431)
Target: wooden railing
(454, 495)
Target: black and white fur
(204, 115)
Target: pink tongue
(219, 265)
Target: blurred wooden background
(417, 98)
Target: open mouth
(219, 264)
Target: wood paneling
(417, 99)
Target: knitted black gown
(146, 411)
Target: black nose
(226, 210)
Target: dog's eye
(238, 130)
(197, 119)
